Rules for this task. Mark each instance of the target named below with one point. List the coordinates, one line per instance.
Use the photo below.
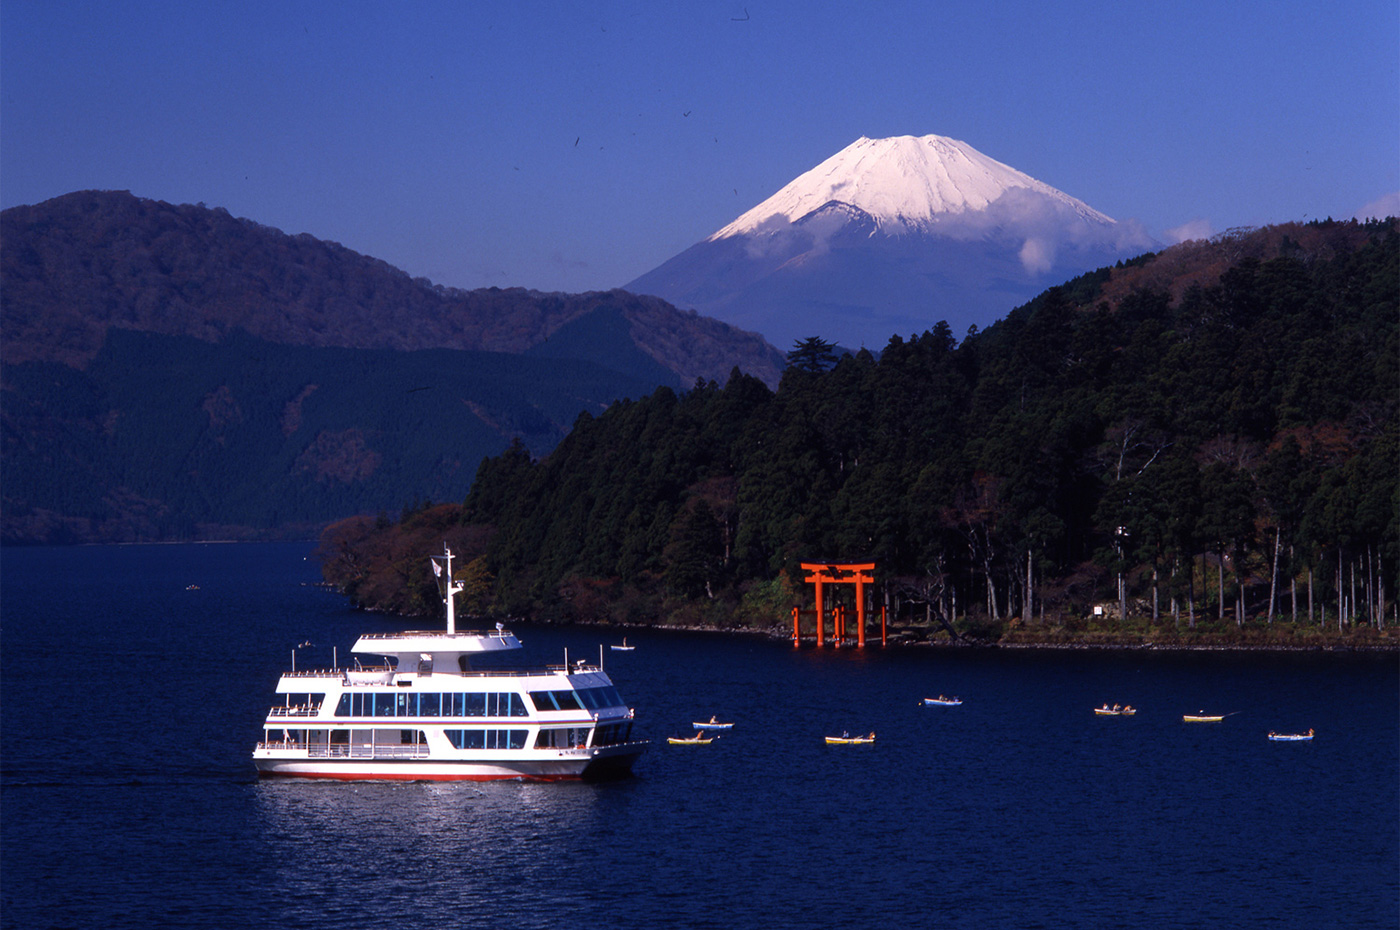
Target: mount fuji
(888, 237)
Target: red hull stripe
(380, 776)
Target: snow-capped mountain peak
(904, 183)
(886, 237)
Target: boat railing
(342, 751)
(473, 673)
(369, 670)
(440, 634)
(295, 710)
(315, 673)
(576, 668)
(322, 751)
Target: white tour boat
(429, 715)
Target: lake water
(131, 706)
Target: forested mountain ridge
(171, 372)
(1183, 438)
(75, 266)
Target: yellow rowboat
(1203, 717)
(850, 740)
(699, 739)
(1115, 711)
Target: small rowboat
(699, 739)
(850, 740)
(1290, 737)
(624, 647)
(713, 724)
(944, 701)
(1203, 717)
(1115, 711)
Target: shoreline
(1386, 645)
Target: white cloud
(1193, 229)
(1037, 256)
(1389, 205)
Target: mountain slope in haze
(172, 437)
(887, 237)
(170, 372)
(74, 266)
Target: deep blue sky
(574, 146)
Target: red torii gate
(821, 573)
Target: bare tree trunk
(1380, 594)
(1239, 599)
(1220, 608)
(1122, 599)
(1310, 595)
(1273, 576)
(991, 589)
(1293, 583)
(1355, 607)
(1371, 586)
(1191, 595)
(1030, 610)
(1341, 595)
(1156, 594)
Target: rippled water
(130, 707)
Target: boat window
(611, 734)
(600, 697)
(488, 739)
(556, 700)
(467, 739)
(435, 704)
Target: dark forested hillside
(171, 437)
(1208, 435)
(75, 266)
(171, 372)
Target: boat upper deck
(580, 674)
(435, 642)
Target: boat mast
(451, 587)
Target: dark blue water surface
(131, 706)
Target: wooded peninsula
(1197, 447)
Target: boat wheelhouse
(426, 712)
